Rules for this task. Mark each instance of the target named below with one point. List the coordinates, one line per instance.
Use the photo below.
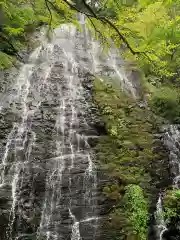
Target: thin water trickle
(160, 218)
(5, 156)
(13, 207)
(75, 235)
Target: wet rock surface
(49, 186)
(161, 179)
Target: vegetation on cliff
(136, 210)
(15, 17)
(126, 154)
(172, 206)
(18, 19)
(165, 101)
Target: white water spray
(159, 215)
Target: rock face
(49, 186)
(160, 181)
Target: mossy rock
(127, 149)
(125, 154)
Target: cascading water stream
(21, 138)
(71, 147)
(160, 221)
(47, 166)
(172, 142)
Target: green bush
(136, 208)
(17, 20)
(172, 204)
(166, 103)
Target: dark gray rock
(48, 165)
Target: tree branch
(89, 8)
(72, 6)
(121, 36)
(103, 19)
(55, 8)
(94, 26)
(15, 51)
(49, 10)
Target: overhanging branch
(54, 7)
(95, 28)
(89, 8)
(92, 14)
(6, 40)
(49, 10)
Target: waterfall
(172, 141)
(49, 182)
(160, 221)
(16, 163)
(112, 66)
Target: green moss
(128, 146)
(114, 191)
(125, 154)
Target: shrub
(166, 102)
(136, 208)
(172, 204)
